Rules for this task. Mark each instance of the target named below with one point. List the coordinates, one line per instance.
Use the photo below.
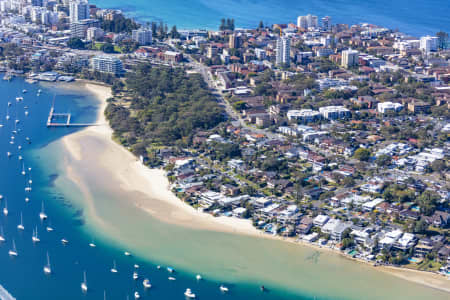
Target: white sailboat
(2, 235)
(42, 214)
(135, 275)
(35, 237)
(13, 251)
(92, 245)
(47, 267)
(84, 286)
(5, 209)
(49, 229)
(23, 169)
(114, 268)
(7, 113)
(199, 277)
(136, 295)
(20, 226)
(63, 241)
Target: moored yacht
(135, 275)
(114, 268)
(199, 277)
(47, 267)
(2, 235)
(35, 237)
(126, 253)
(92, 245)
(13, 251)
(172, 278)
(170, 269)
(136, 295)
(20, 226)
(64, 241)
(5, 209)
(49, 229)
(84, 286)
(188, 293)
(42, 214)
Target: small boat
(2, 235)
(20, 157)
(23, 169)
(8, 154)
(13, 251)
(49, 229)
(135, 275)
(35, 237)
(126, 253)
(172, 278)
(9, 103)
(170, 270)
(262, 288)
(64, 241)
(223, 289)
(1, 197)
(114, 268)
(19, 99)
(146, 283)
(24, 91)
(188, 293)
(20, 226)
(84, 286)
(158, 267)
(5, 209)
(39, 91)
(27, 199)
(26, 113)
(42, 214)
(92, 245)
(19, 147)
(136, 266)
(199, 277)
(136, 295)
(47, 268)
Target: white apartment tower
(308, 21)
(428, 43)
(142, 36)
(78, 10)
(349, 58)
(326, 23)
(283, 51)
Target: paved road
(235, 117)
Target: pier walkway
(5, 295)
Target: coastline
(162, 204)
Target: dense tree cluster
(168, 107)
(119, 24)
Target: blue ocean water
(23, 276)
(410, 16)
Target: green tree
(383, 160)
(75, 43)
(362, 154)
(108, 48)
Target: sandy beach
(153, 196)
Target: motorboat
(188, 293)
(64, 241)
(136, 295)
(199, 277)
(223, 289)
(135, 275)
(172, 278)
(146, 283)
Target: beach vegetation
(167, 108)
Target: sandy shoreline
(161, 203)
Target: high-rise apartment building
(283, 51)
(349, 58)
(142, 36)
(107, 64)
(78, 10)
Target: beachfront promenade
(5, 295)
